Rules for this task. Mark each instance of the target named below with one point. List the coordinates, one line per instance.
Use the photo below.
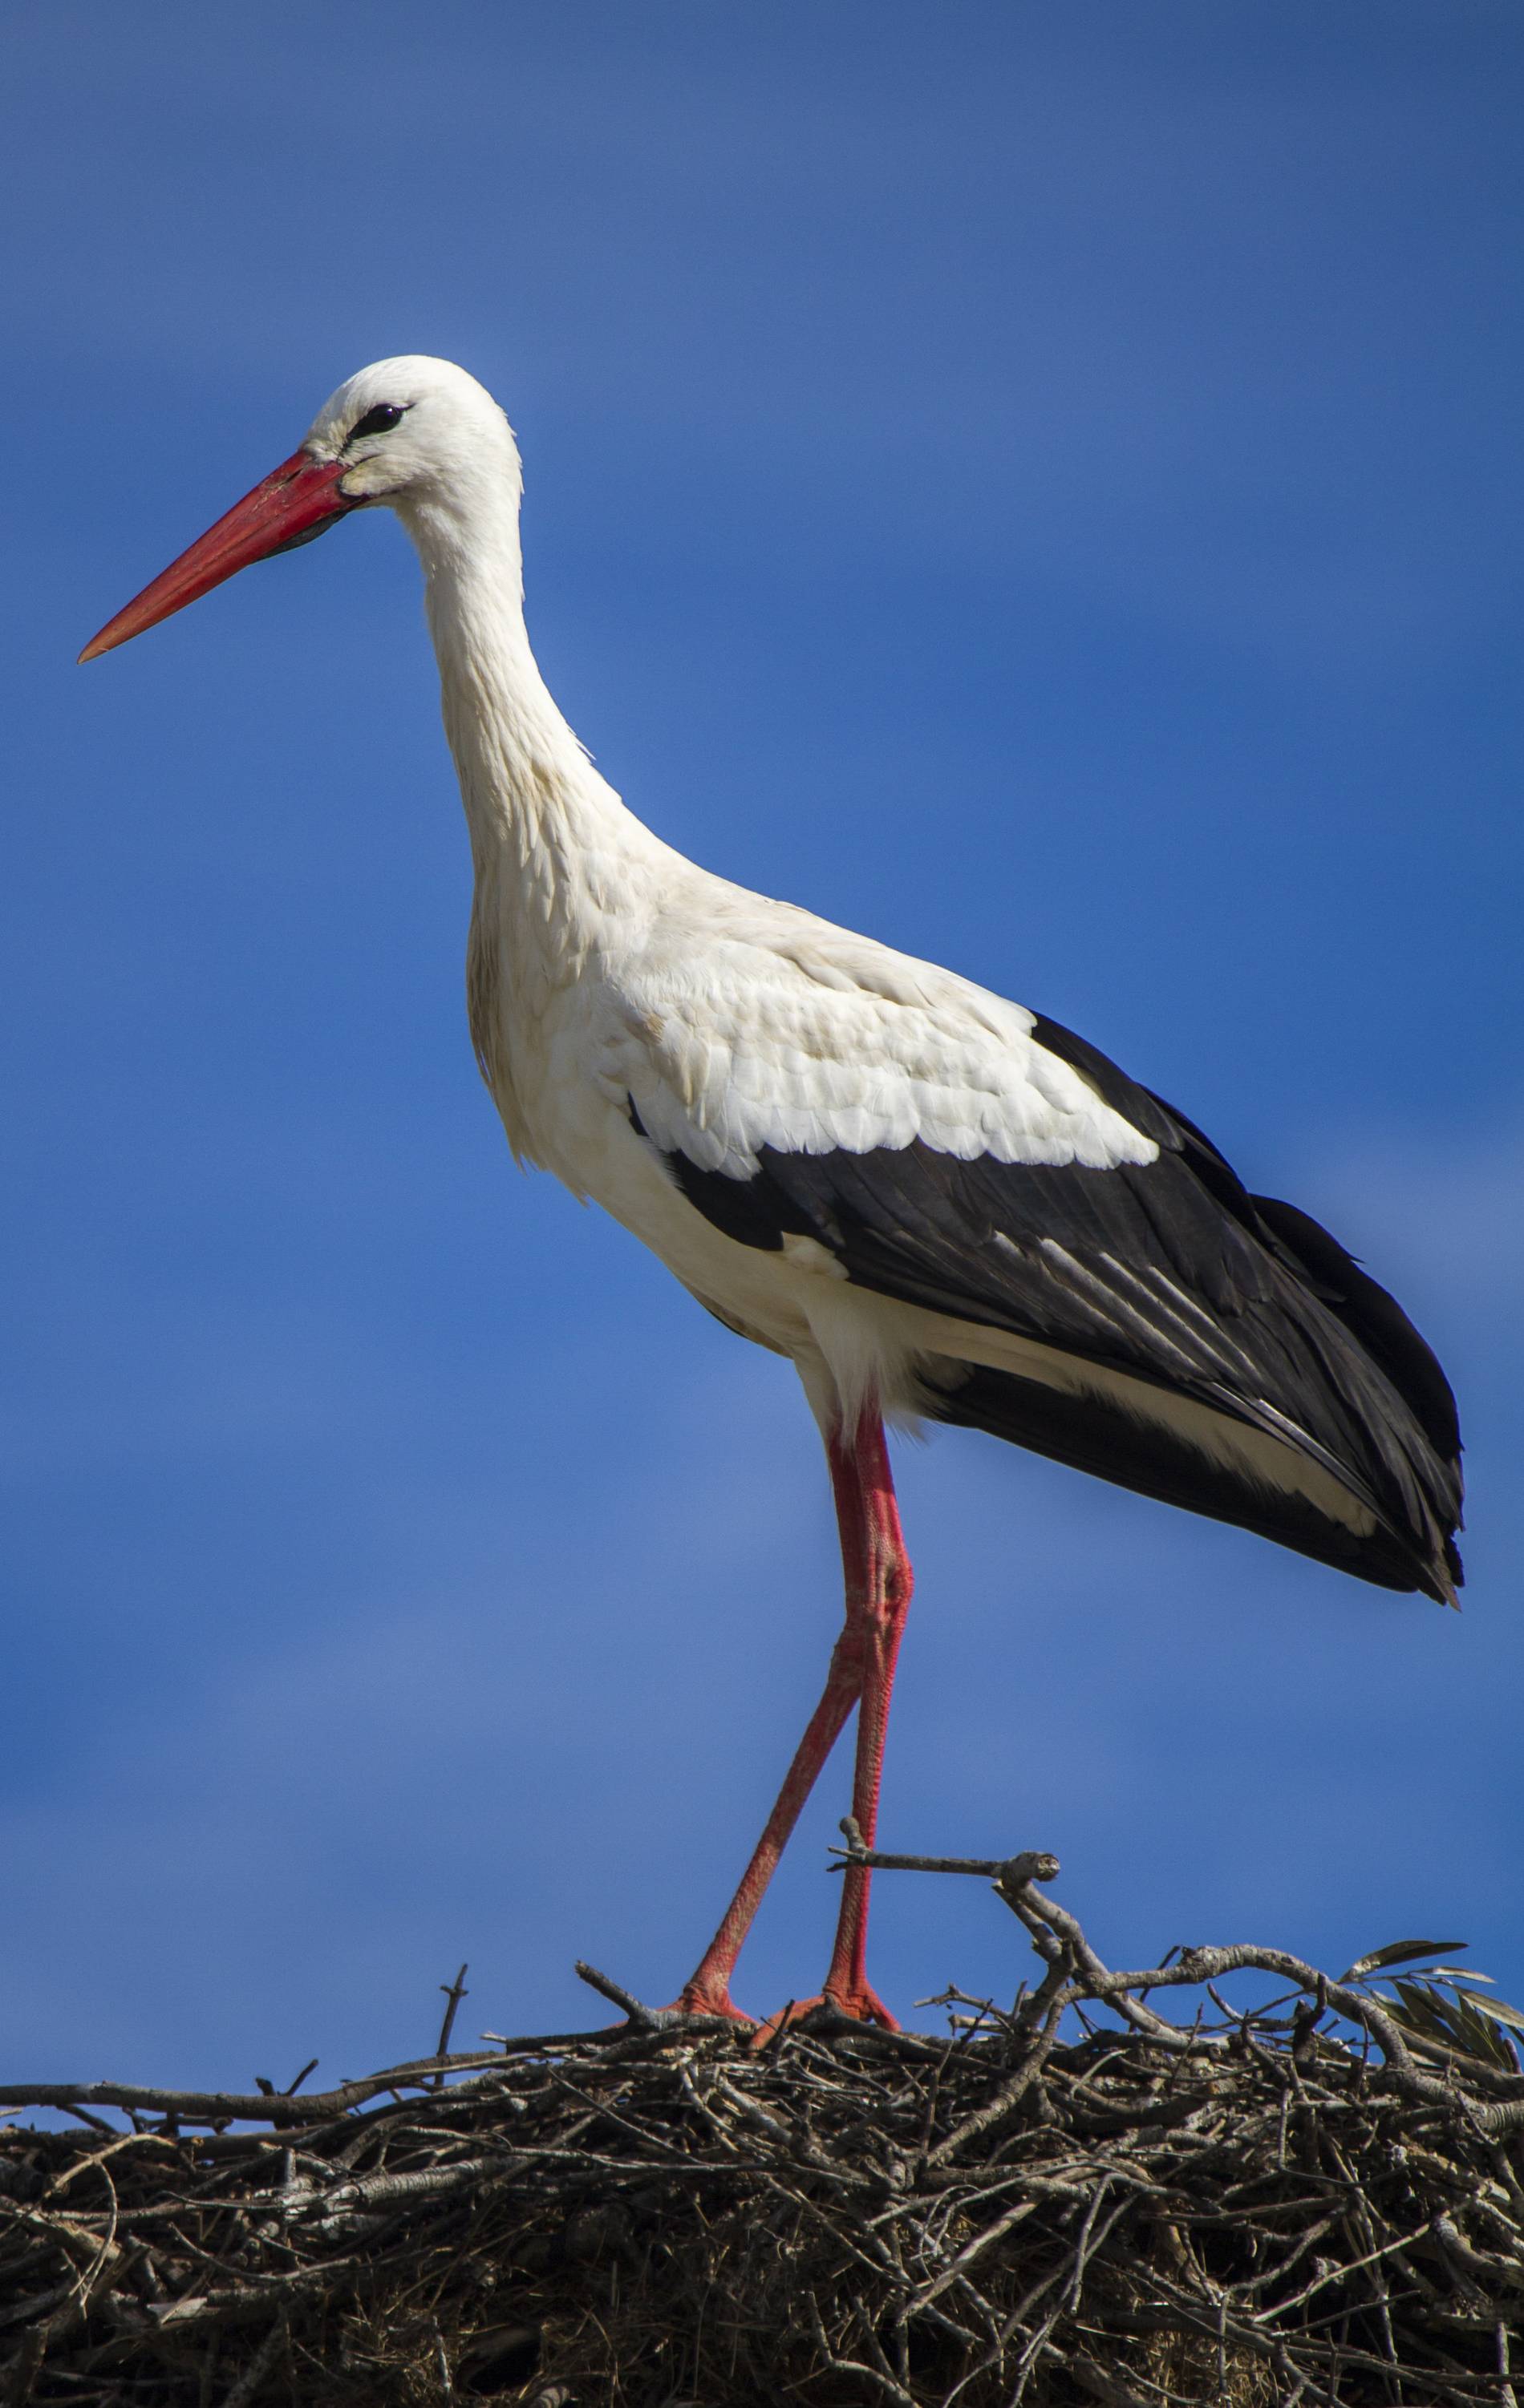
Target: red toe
(861, 2005)
(699, 2000)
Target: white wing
(743, 1023)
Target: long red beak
(292, 504)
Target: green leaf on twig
(1462, 2023)
(1399, 1952)
(1500, 2010)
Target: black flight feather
(1169, 1273)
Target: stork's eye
(379, 420)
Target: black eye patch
(379, 420)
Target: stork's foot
(858, 2003)
(700, 1997)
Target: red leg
(879, 1583)
(709, 1991)
(878, 1580)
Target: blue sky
(1041, 484)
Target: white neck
(525, 779)
(562, 867)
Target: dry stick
(221, 2107)
(791, 2156)
(1008, 2098)
(1195, 1968)
(643, 2018)
(975, 2248)
(453, 1993)
(259, 2366)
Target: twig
(1323, 2201)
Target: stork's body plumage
(933, 1201)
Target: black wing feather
(1169, 1273)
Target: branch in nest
(1315, 2195)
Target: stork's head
(416, 433)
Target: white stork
(934, 1202)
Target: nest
(1318, 2196)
